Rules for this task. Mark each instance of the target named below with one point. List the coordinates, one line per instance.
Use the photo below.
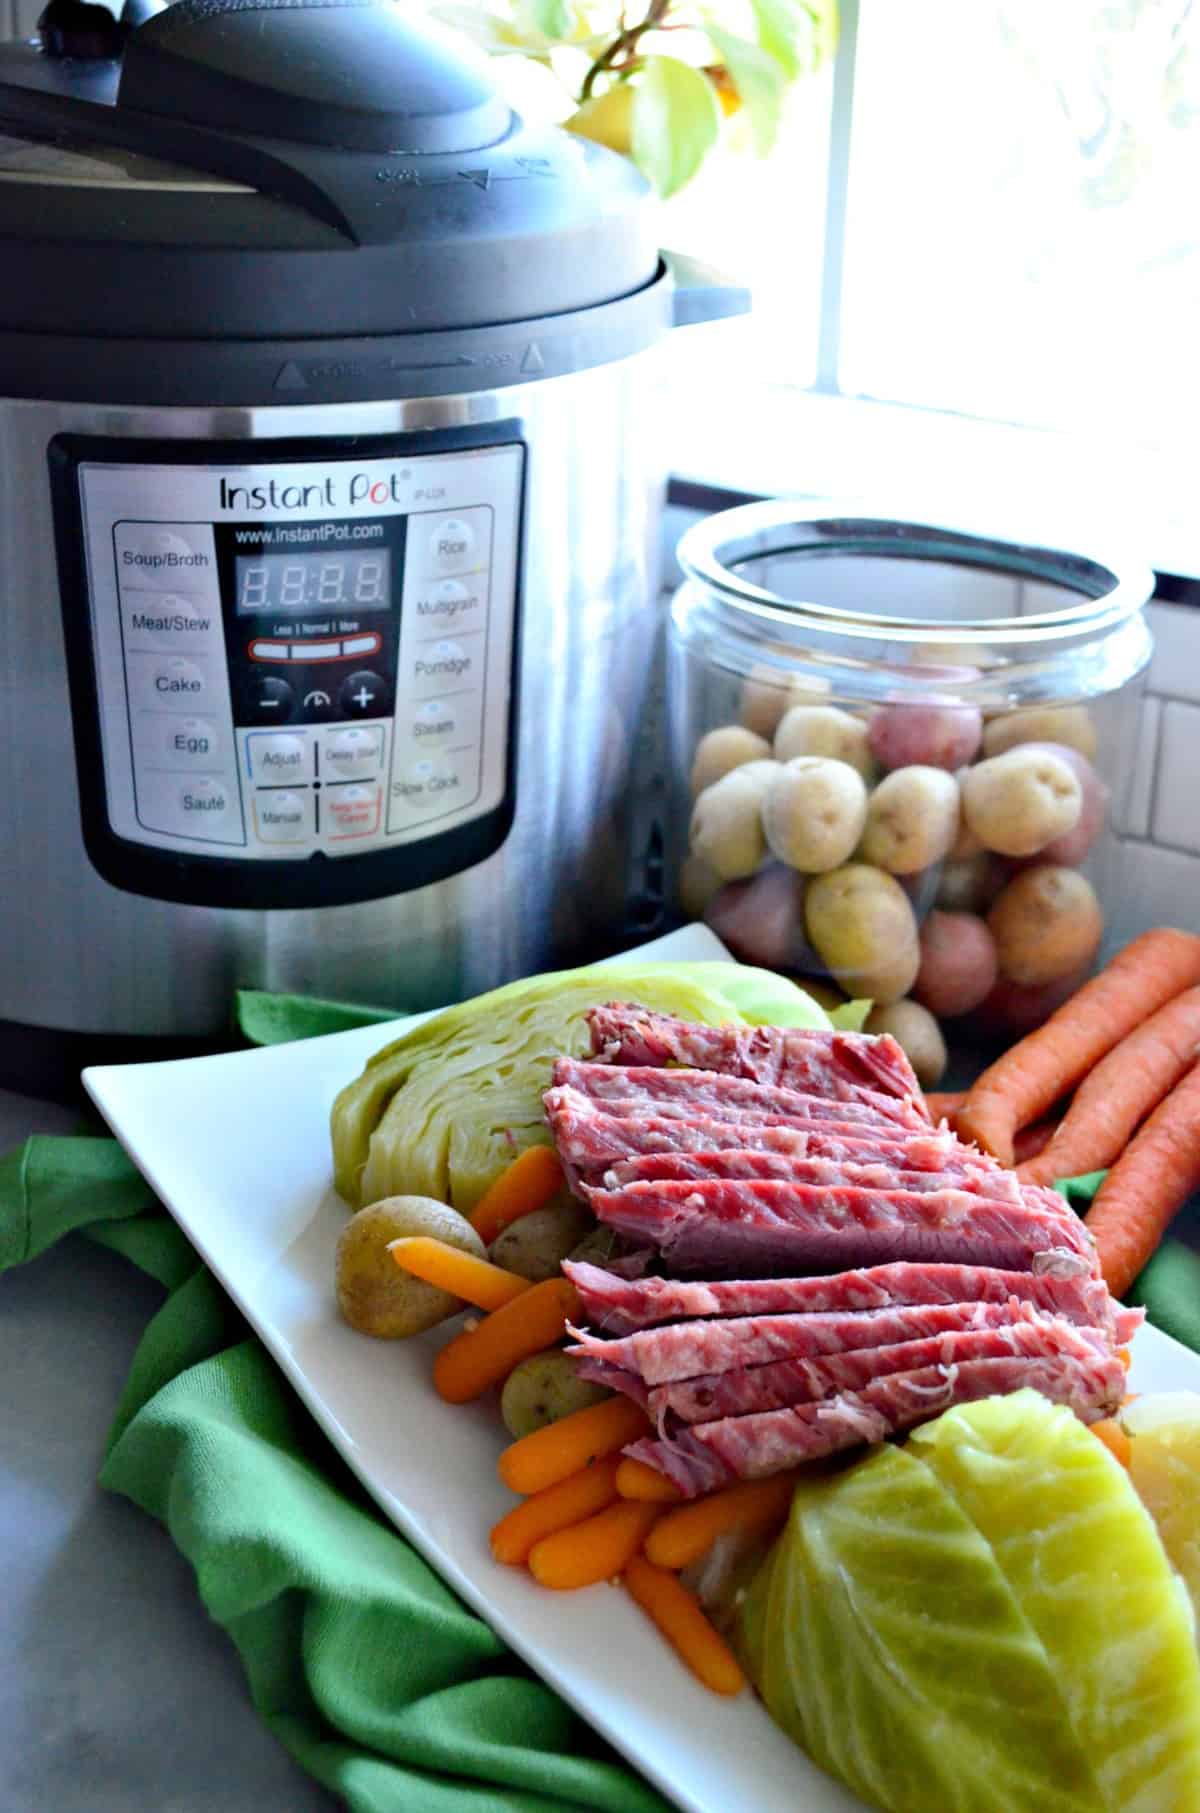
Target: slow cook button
(350, 810)
(277, 758)
(169, 621)
(352, 752)
(433, 785)
(283, 816)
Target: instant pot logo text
(328, 493)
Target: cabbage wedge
(442, 1110)
(982, 1621)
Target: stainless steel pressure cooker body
(327, 512)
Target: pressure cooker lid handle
(702, 293)
(344, 74)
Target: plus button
(363, 694)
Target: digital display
(349, 580)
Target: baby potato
(863, 928)
(917, 1033)
(1047, 924)
(824, 730)
(969, 885)
(373, 1294)
(721, 751)
(1014, 1009)
(912, 820)
(925, 735)
(1072, 847)
(726, 829)
(762, 920)
(767, 692)
(813, 813)
(958, 964)
(698, 884)
(535, 1246)
(599, 1246)
(1019, 802)
(1070, 724)
(542, 1389)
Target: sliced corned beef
(746, 1228)
(749, 1389)
(709, 1455)
(836, 1064)
(616, 1306)
(672, 1167)
(589, 1138)
(642, 1089)
(689, 1350)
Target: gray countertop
(117, 1692)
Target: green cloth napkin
(367, 1668)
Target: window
(1002, 228)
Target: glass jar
(902, 754)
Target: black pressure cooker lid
(237, 170)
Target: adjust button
(364, 695)
(275, 759)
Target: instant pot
(328, 516)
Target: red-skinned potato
(762, 920)
(1015, 1009)
(958, 964)
(924, 734)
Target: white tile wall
(1176, 816)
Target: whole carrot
(550, 1454)
(1151, 1180)
(597, 1549)
(680, 1618)
(1040, 1069)
(484, 1355)
(1111, 1103)
(578, 1496)
(528, 1184)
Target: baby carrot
(481, 1356)
(578, 1496)
(550, 1454)
(636, 1480)
(1110, 1103)
(597, 1549)
(681, 1620)
(477, 1281)
(1037, 1071)
(1151, 1180)
(528, 1184)
(1109, 1431)
(685, 1535)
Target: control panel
(303, 659)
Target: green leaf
(553, 18)
(760, 81)
(676, 122)
(796, 35)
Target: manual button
(282, 816)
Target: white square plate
(237, 1147)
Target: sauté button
(204, 806)
(271, 700)
(363, 695)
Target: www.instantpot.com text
(280, 535)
